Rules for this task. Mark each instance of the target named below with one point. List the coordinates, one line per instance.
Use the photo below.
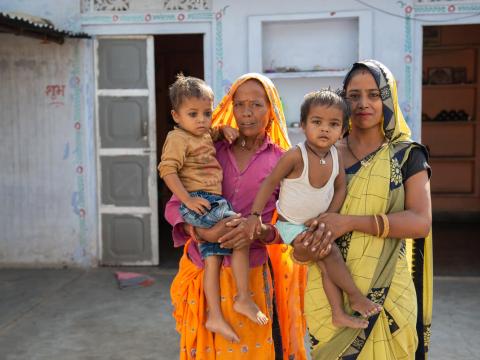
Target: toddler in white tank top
(312, 181)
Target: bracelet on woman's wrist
(386, 226)
(296, 261)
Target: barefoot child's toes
(221, 327)
(364, 306)
(262, 319)
(344, 320)
(248, 308)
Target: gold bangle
(386, 226)
(298, 261)
(376, 224)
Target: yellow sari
(289, 285)
(396, 273)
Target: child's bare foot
(221, 327)
(343, 320)
(364, 306)
(247, 307)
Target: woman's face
(364, 97)
(251, 108)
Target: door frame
(142, 31)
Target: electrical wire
(413, 17)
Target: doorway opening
(173, 54)
(451, 131)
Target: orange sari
(187, 288)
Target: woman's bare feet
(221, 327)
(245, 306)
(343, 320)
(364, 306)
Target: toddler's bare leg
(244, 303)
(211, 287)
(334, 296)
(338, 273)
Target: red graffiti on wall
(56, 94)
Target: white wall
(47, 198)
(388, 40)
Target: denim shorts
(288, 231)
(219, 209)
(210, 249)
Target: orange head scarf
(277, 131)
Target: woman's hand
(303, 249)
(238, 236)
(336, 224)
(216, 231)
(318, 238)
(229, 133)
(326, 228)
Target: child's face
(323, 126)
(194, 115)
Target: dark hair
(187, 87)
(325, 97)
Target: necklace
(366, 160)
(243, 144)
(322, 158)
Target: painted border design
(446, 8)
(407, 104)
(219, 52)
(146, 18)
(78, 124)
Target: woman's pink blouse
(240, 188)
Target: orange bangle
(378, 226)
(297, 261)
(275, 235)
(386, 226)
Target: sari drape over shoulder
(289, 285)
(383, 269)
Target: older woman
(387, 205)
(253, 106)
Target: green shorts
(289, 231)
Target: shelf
(439, 123)
(449, 86)
(455, 159)
(305, 74)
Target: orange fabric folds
(190, 315)
(290, 282)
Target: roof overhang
(32, 26)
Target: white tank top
(299, 201)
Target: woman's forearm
(404, 224)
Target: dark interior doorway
(173, 54)
(450, 129)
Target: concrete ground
(73, 314)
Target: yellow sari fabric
(289, 285)
(381, 268)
